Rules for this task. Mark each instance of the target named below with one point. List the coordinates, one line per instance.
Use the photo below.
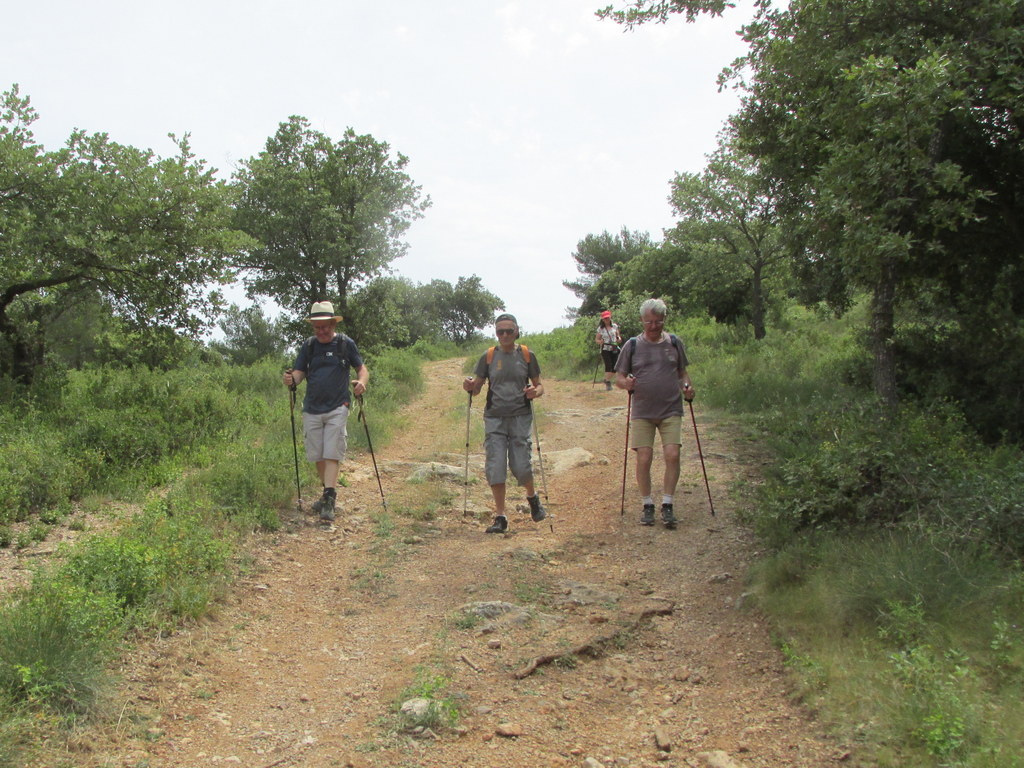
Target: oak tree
(328, 215)
(147, 235)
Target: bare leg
(498, 491)
(328, 470)
(671, 456)
(644, 458)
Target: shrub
(123, 568)
(35, 471)
(151, 562)
(55, 639)
(851, 465)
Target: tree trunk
(21, 364)
(757, 304)
(882, 332)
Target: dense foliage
(327, 215)
(100, 221)
(890, 134)
(395, 312)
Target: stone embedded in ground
(661, 739)
(717, 759)
(490, 609)
(435, 471)
(577, 593)
(415, 709)
(557, 462)
(509, 730)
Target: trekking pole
(465, 476)
(295, 445)
(700, 453)
(540, 460)
(369, 442)
(596, 366)
(625, 454)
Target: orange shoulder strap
(526, 353)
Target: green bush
(916, 637)
(55, 640)
(851, 465)
(134, 418)
(564, 353)
(244, 480)
(425, 349)
(116, 429)
(146, 563)
(124, 568)
(35, 471)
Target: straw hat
(322, 310)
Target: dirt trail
(303, 664)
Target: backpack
(343, 342)
(632, 348)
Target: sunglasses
(503, 331)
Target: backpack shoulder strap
(631, 345)
(526, 353)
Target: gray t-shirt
(507, 376)
(656, 367)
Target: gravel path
(644, 653)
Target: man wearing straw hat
(324, 362)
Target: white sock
(648, 500)
(666, 499)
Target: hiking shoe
(318, 505)
(500, 525)
(608, 386)
(648, 516)
(537, 512)
(668, 517)
(327, 509)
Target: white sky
(530, 123)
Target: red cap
(606, 313)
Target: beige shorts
(326, 434)
(671, 430)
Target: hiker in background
(325, 362)
(610, 341)
(513, 382)
(652, 367)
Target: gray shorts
(507, 447)
(326, 434)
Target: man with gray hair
(513, 382)
(652, 368)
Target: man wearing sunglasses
(513, 382)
